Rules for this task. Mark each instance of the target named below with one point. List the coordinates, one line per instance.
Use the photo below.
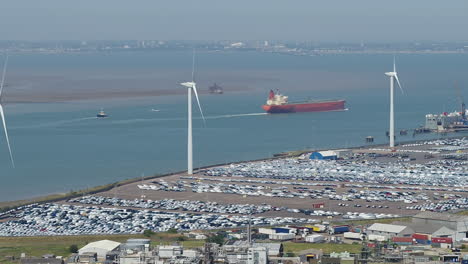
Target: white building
(388, 231)
(170, 251)
(101, 247)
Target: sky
(301, 20)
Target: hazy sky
(325, 20)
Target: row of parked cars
(68, 219)
(171, 204)
(446, 173)
(442, 206)
(278, 190)
(213, 207)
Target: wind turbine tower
(393, 76)
(191, 86)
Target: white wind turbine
(393, 75)
(191, 86)
(1, 110)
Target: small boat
(215, 89)
(155, 110)
(101, 114)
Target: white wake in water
(131, 121)
(195, 117)
(235, 115)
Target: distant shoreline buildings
(298, 48)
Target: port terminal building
(324, 155)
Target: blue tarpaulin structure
(324, 155)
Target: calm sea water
(60, 146)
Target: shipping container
(402, 239)
(282, 236)
(351, 235)
(423, 242)
(267, 231)
(340, 229)
(420, 236)
(318, 205)
(317, 228)
(376, 238)
(281, 230)
(314, 238)
(439, 240)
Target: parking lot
(369, 183)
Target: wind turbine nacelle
(188, 84)
(390, 74)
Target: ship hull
(305, 107)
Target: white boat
(101, 114)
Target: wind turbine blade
(198, 101)
(6, 134)
(3, 75)
(394, 67)
(399, 85)
(193, 66)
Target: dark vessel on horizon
(216, 89)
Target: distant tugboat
(216, 89)
(101, 114)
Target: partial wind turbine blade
(198, 101)
(394, 67)
(193, 66)
(399, 85)
(6, 134)
(3, 75)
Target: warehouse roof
(328, 153)
(421, 228)
(386, 228)
(102, 244)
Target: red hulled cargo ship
(278, 103)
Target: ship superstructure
(454, 121)
(216, 89)
(447, 121)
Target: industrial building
(272, 249)
(136, 244)
(324, 155)
(448, 225)
(170, 251)
(101, 248)
(389, 231)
